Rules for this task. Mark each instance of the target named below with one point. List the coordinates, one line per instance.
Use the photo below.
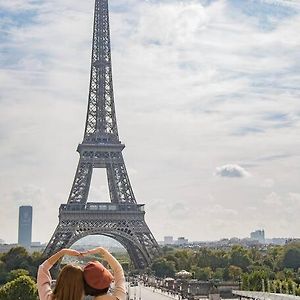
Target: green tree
(291, 257)
(21, 288)
(183, 259)
(245, 282)
(14, 274)
(163, 268)
(273, 255)
(239, 257)
(218, 274)
(255, 280)
(235, 272)
(202, 273)
(3, 272)
(34, 260)
(16, 258)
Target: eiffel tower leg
(136, 256)
(81, 184)
(60, 238)
(118, 181)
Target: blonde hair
(69, 284)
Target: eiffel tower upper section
(101, 123)
(101, 147)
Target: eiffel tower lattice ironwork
(121, 218)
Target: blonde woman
(69, 284)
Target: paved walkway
(264, 296)
(147, 293)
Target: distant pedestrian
(69, 284)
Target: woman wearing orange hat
(97, 278)
(69, 284)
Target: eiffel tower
(122, 218)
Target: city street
(146, 293)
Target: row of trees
(18, 271)
(274, 268)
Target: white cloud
(195, 86)
(16, 4)
(273, 199)
(268, 183)
(231, 171)
(294, 198)
(291, 3)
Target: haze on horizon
(207, 101)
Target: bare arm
(58, 255)
(44, 277)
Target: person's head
(97, 279)
(69, 284)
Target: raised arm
(44, 277)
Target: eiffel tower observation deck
(122, 218)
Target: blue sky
(207, 101)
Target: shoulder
(106, 297)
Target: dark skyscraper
(25, 226)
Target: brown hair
(89, 291)
(69, 284)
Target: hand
(98, 250)
(70, 252)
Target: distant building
(37, 247)
(277, 241)
(6, 247)
(168, 240)
(25, 226)
(182, 241)
(293, 240)
(258, 235)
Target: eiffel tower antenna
(122, 218)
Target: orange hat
(97, 276)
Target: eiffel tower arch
(122, 218)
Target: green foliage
(256, 280)
(211, 258)
(276, 267)
(21, 288)
(16, 258)
(235, 272)
(3, 272)
(182, 259)
(239, 257)
(245, 285)
(14, 274)
(218, 274)
(163, 268)
(291, 257)
(202, 273)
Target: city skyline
(105, 240)
(90, 239)
(208, 90)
